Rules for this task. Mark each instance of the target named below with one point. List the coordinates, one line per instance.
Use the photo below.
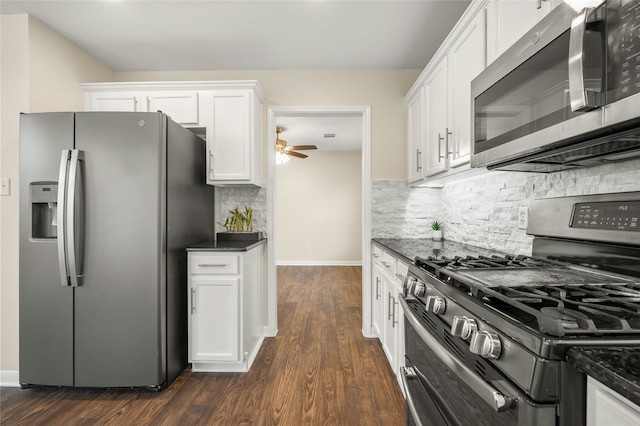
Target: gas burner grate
(590, 309)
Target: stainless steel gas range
(487, 335)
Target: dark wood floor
(319, 370)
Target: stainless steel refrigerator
(108, 203)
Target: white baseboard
(318, 263)
(10, 379)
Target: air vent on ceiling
(329, 135)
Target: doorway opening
(280, 114)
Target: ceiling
(309, 129)
(166, 35)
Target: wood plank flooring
(318, 370)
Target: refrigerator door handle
(62, 215)
(75, 218)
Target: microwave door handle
(581, 98)
(484, 390)
(62, 217)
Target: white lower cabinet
(225, 309)
(606, 407)
(387, 316)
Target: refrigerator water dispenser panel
(44, 210)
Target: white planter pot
(436, 235)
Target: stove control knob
(408, 285)
(486, 344)
(419, 289)
(436, 304)
(463, 327)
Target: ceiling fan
(282, 148)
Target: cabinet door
(181, 106)
(416, 136)
(390, 321)
(215, 319)
(436, 113)
(466, 60)
(117, 101)
(508, 20)
(607, 407)
(377, 297)
(229, 136)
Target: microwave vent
(607, 149)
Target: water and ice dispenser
(44, 210)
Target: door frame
(273, 112)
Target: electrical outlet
(5, 186)
(523, 217)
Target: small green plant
(238, 221)
(436, 226)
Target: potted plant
(436, 230)
(239, 225)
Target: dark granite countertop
(615, 367)
(409, 248)
(228, 245)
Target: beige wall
(319, 209)
(41, 71)
(384, 90)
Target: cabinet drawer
(214, 264)
(376, 252)
(389, 262)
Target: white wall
(41, 71)
(319, 209)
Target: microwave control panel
(620, 216)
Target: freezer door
(120, 303)
(46, 303)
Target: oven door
(441, 389)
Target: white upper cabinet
(439, 103)
(436, 123)
(508, 20)
(466, 60)
(230, 112)
(415, 107)
(233, 122)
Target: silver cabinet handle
(395, 319)
(75, 218)
(389, 306)
(62, 215)
(581, 98)
(193, 300)
(377, 288)
(440, 140)
(212, 265)
(484, 390)
(418, 160)
(447, 142)
(210, 165)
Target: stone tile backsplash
(483, 211)
(241, 196)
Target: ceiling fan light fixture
(281, 158)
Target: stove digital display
(620, 216)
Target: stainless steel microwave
(566, 95)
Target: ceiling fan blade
(295, 154)
(302, 147)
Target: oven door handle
(410, 402)
(485, 391)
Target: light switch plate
(5, 186)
